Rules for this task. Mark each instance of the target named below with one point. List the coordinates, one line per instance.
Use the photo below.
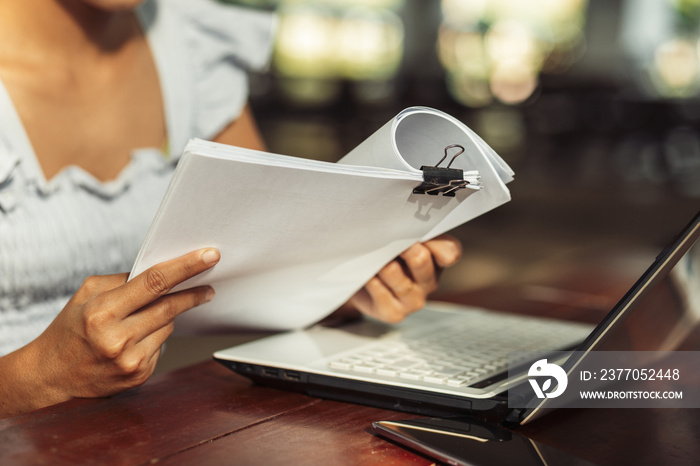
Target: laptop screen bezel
(657, 271)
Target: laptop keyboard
(463, 353)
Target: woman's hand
(403, 285)
(106, 339)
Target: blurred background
(595, 105)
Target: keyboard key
(434, 379)
(404, 363)
(340, 364)
(363, 368)
(450, 372)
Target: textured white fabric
(55, 234)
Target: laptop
(450, 360)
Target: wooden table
(205, 414)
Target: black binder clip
(443, 180)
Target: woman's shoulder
(217, 45)
(245, 34)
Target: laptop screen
(659, 313)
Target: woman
(98, 98)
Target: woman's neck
(63, 30)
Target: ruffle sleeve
(224, 43)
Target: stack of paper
(299, 237)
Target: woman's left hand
(403, 285)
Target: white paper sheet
(299, 237)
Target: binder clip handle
(443, 180)
(451, 146)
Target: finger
(136, 365)
(421, 267)
(408, 295)
(96, 284)
(163, 311)
(158, 280)
(378, 301)
(362, 301)
(153, 344)
(396, 279)
(446, 250)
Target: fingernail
(211, 257)
(209, 295)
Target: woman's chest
(93, 114)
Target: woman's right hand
(107, 339)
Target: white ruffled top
(54, 234)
